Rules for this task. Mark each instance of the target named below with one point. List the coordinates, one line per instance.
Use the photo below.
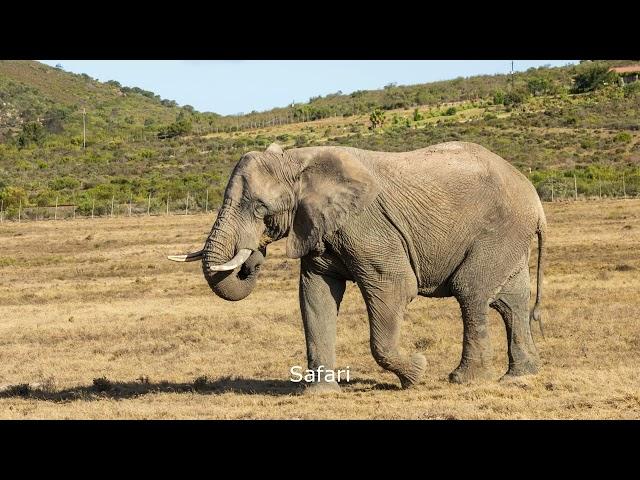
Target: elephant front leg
(476, 347)
(320, 297)
(386, 305)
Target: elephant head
(302, 194)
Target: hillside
(141, 147)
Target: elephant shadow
(120, 390)
(102, 388)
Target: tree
(14, 196)
(54, 120)
(394, 97)
(376, 118)
(514, 97)
(32, 132)
(181, 126)
(538, 86)
(423, 97)
(593, 78)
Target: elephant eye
(259, 210)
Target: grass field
(93, 312)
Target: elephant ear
(333, 186)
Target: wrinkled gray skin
(453, 219)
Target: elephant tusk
(235, 262)
(189, 257)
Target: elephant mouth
(245, 264)
(236, 284)
(234, 279)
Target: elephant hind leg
(513, 305)
(475, 284)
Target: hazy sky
(233, 86)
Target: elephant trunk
(220, 248)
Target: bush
(514, 97)
(62, 183)
(450, 111)
(593, 78)
(538, 86)
(632, 89)
(376, 119)
(301, 140)
(623, 137)
(32, 132)
(177, 128)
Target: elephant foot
(529, 367)
(321, 388)
(412, 375)
(468, 372)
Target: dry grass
(92, 311)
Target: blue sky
(234, 86)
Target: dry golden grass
(92, 311)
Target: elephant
(450, 220)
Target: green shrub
(301, 140)
(623, 137)
(514, 97)
(376, 119)
(631, 89)
(593, 78)
(32, 132)
(62, 183)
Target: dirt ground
(101, 325)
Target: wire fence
(553, 189)
(563, 188)
(192, 204)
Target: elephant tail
(535, 311)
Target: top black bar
(370, 34)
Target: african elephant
(453, 219)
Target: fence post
(130, 198)
(206, 203)
(575, 186)
(93, 206)
(74, 211)
(20, 212)
(186, 208)
(112, 199)
(552, 183)
(55, 214)
(167, 204)
(1, 209)
(624, 188)
(149, 205)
